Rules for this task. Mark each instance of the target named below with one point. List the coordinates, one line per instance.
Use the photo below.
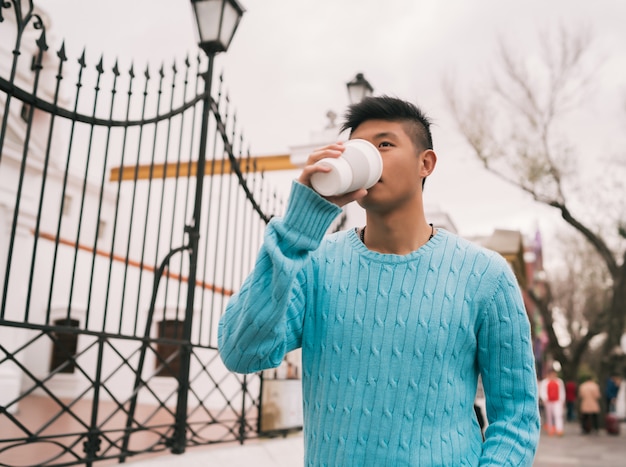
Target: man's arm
(263, 320)
(507, 366)
(543, 390)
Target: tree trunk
(614, 361)
(617, 312)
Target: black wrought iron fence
(121, 240)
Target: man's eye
(385, 144)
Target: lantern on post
(216, 22)
(359, 88)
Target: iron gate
(127, 220)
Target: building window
(24, 112)
(67, 205)
(168, 329)
(102, 225)
(64, 346)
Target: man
(552, 393)
(396, 320)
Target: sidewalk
(572, 449)
(272, 452)
(575, 449)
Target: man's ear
(429, 161)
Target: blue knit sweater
(392, 345)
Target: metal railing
(121, 241)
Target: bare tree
(573, 303)
(519, 124)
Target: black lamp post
(359, 88)
(216, 21)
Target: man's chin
(367, 201)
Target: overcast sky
(290, 60)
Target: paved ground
(572, 449)
(275, 452)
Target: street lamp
(216, 21)
(359, 88)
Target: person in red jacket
(571, 392)
(552, 393)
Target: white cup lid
(365, 157)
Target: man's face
(400, 181)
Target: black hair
(391, 109)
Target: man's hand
(332, 150)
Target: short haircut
(391, 109)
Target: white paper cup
(360, 166)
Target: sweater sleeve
(543, 391)
(506, 364)
(263, 320)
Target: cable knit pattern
(391, 345)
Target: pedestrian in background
(552, 393)
(611, 420)
(589, 394)
(396, 319)
(612, 389)
(571, 393)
